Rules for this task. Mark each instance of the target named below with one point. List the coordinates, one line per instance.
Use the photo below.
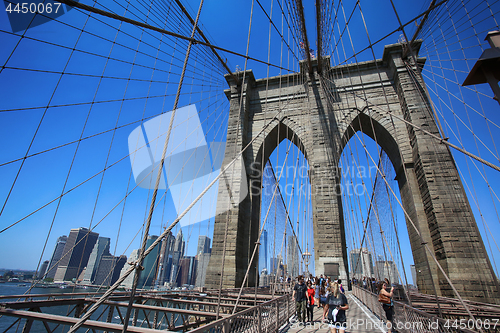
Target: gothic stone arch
(362, 94)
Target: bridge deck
(359, 319)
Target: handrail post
(287, 308)
(226, 326)
(277, 315)
(259, 319)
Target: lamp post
(487, 68)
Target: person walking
(323, 294)
(385, 298)
(337, 305)
(316, 292)
(339, 281)
(299, 294)
(310, 301)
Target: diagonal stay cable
(163, 31)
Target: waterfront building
(42, 270)
(76, 253)
(101, 248)
(129, 280)
(109, 269)
(56, 256)
(150, 264)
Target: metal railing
(265, 317)
(411, 320)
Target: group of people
(329, 295)
(323, 293)
(368, 283)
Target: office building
(361, 261)
(264, 278)
(165, 260)
(387, 269)
(42, 270)
(292, 260)
(177, 255)
(109, 269)
(263, 251)
(188, 271)
(203, 245)
(76, 253)
(129, 280)
(276, 265)
(150, 264)
(201, 271)
(413, 274)
(56, 256)
(101, 248)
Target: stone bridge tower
(319, 111)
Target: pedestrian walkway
(359, 319)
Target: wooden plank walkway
(359, 319)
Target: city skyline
(84, 256)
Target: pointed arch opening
(286, 242)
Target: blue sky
(110, 85)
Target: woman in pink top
(310, 301)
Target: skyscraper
(76, 254)
(165, 260)
(177, 255)
(109, 269)
(150, 264)
(203, 254)
(203, 244)
(264, 278)
(273, 265)
(361, 263)
(292, 259)
(129, 280)
(201, 271)
(187, 271)
(101, 248)
(56, 256)
(42, 270)
(413, 274)
(263, 251)
(387, 269)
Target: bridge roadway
(359, 319)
